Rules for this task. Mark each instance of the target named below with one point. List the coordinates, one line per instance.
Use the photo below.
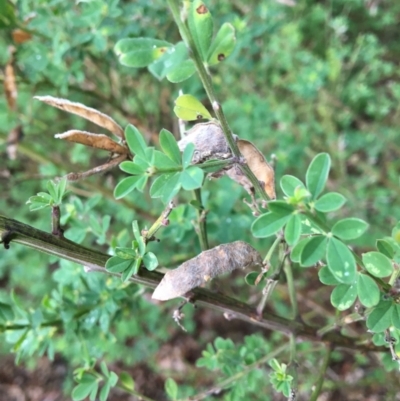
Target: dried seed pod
(99, 141)
(209, 264)
(258, 165)
(81, 110)
(210, 142)
(10, 86)
(208, 139)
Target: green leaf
(132, 269)
(138, 236)
(113, 379)
(126, 380)
(298, 249)
(61, 189)
(132, 168)
(140, 52)
(326, 277)
(187, 155)
(350, 228)
(343, 296)
(268, 224)
(93, 393)
(51, 188)
(141, 184)
(222, 45)
(170, 60)
(135, 141)
(385, 247)
(7, 14)
(127, 185)
(289, 183)
(330, 202)
(21, 339)
(87, 385)
(275, 365)
(317, 174)
(117, 265)
(368, 291)
(142, 162)
(341, 261)
(104, 369)
(150, 261)
(157, 188)
(188, 108)
(396, 233)
(396, 316)
(293, 230)
(81, 391)
(169, 146)
(171, 388)
(125, 253)
(162, 161)
(181, 72)
(381, 317)
(313, 251)
(192, 178)
(280, 207)
(37, 203)
(200, 25)
(104, 392)
(6, 312)
(171, 187)
(377, 264)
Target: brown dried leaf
(81, 110)
(19, 36)
(13, 139)
(209, 264)
(98, 141)
(10, 87)
(259, 166)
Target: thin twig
(321, 377)
(391, 341)
(162, 221)
(287, 268)
(205, 78)
(55, 221)
(201, 221)
(272, 281)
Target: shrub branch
(14, 231)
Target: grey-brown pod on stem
(209, 141)
(205, 266)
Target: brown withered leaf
(20, 36)
(259, 166)
(10, 87)
(98, 141)
(81, 110)
(14, 137)
(205, 266)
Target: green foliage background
(316, 77)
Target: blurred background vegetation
(306, 77)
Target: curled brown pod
(205, 266)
